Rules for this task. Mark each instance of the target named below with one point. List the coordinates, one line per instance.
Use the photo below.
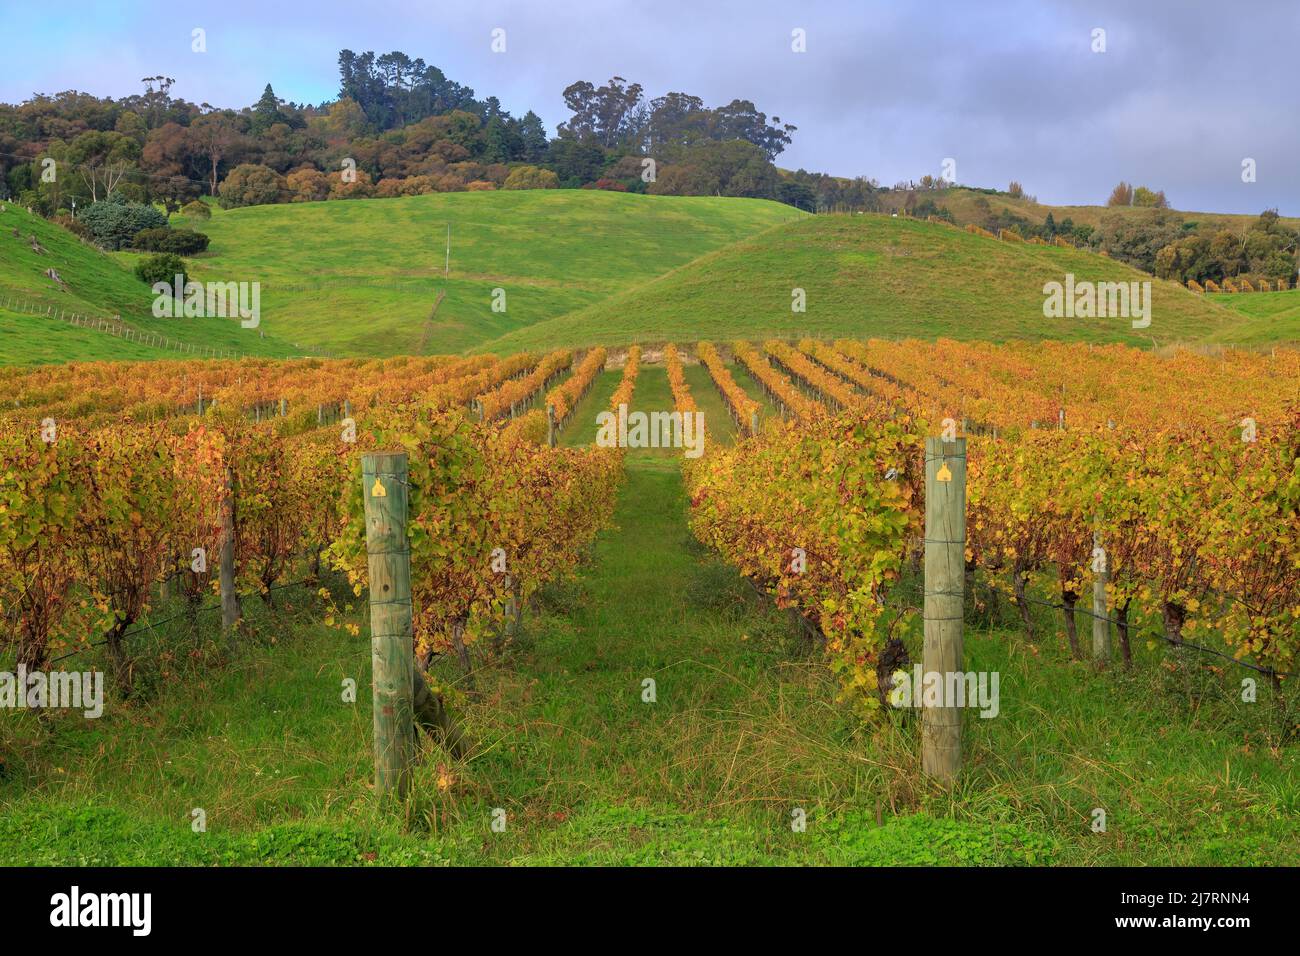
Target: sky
(1184, 92)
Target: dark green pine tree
(267, 111)
(532, 134)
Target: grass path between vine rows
(742, 733)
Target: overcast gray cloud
(1011, 90)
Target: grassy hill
(361, 277)
(584, 267)
(878, 276)
(1265, 317)
(964, 205)
(96, 285)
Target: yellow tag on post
(943, 474)
(378, 490)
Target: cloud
(1011, 90)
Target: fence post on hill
(230, 609)
(753, 422)
(1100, 619)
(550, 426)
(392, 651)
(945, 581)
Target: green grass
(873, 276)
(361, 277)
(963, 204)
(742, 732)
(37, 339)
(99, 285)
(1266, 317)
(584, 267)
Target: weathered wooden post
(945, 581)
(392, 650)
(284, 407)
(1100, 618)
(550, 426)
(230, 609)
(753, 422)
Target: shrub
(113, 222)
(480, 186)
(1195, 286)
(613, 185)
(531, 177)
(196, 210)
(308, 184)
(182, 242)
(150, 240)
(362, 187)
(252, 185)
(161, 268)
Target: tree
(169, 158)
(576, 162)
(799, 195)
(196, 210)
(740, 119)
(732, 168)
(1142, 196)
(1137, 241)
(183, 242)
(266, 113)
(307, 184)
(1188, 258)
(113, 222)
(253, 185)
(1121, 195)
(1015, 190)
(531, 177)
(212, 136)
(103, 160)
(532, 138)
(602, 114)
(164, 267)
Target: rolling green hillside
(584, 267)
(96, 285)
(876, 276)
(361, 277)
(1266, 317)
(962, 203)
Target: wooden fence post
(945, 581)
(753, 422)
(392, 651)
(1100, 618)
(550, 426)
(230, 609)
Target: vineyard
(1080, 461)
(130, 491)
